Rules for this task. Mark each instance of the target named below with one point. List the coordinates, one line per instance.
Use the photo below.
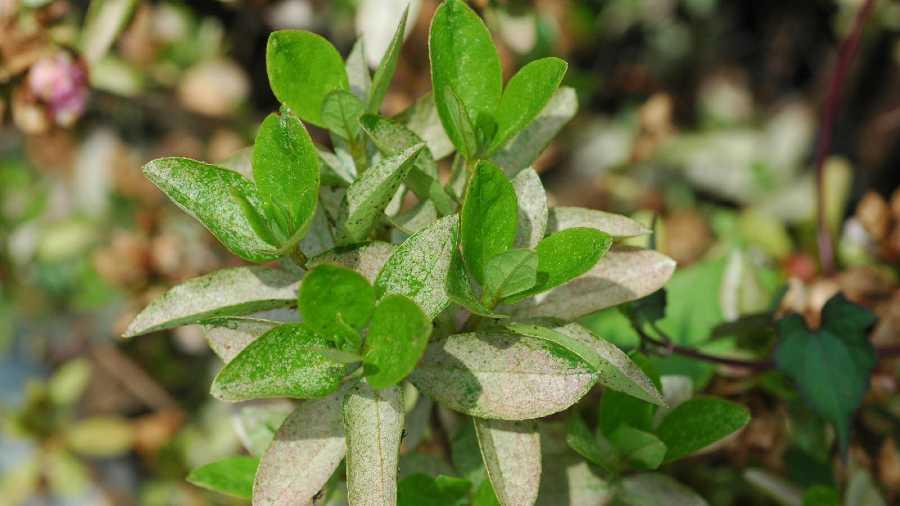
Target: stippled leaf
(232, 476)
(532, 202)
(460, 290)
(229, 335)
(311, 437)
(422, 118)
(366, 259)
(498, 374)
(524, 149)
(303, 69)
(512, 457)
(624, 274)
(613, 367)
(227, 292)
(373, 425)
(256, 424)
(464, 60)
(651, 489)
(418, 267)
(488, 219)
(525, 96)
(698, 423)
(284, 362)
(396, 340)
(214, 196)
(286, 172)
(367, 197)
(616, 225)
(358, 75)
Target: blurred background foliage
(699, 117)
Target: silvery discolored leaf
(615, 225)
(418, 267)
(255, 423)
(422, 118)
(524, 149)
(532, 200)
(623, 275)
(306, 451)
(650, 489)
(615, 370)
(498, 374)
(512, 457)
(367, 197)
(373, 425)
(227, 292)
(358, 75)
(367, 259)
(228, 336)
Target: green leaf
(336, 170)
(595, 449)
(617, 408)
(653, 489)
(312, 435)
(615, 369)
(532, 201)
(498, 374)
(331, 296)
(358, 75)
(699, 423)
(205, 192)
(512, 457)
(365, 200)
(460, 290)
(616, 225)
(373, 425)
(509, 273)
(566, 255)
(488, 219)
(624, 274)
(464, 62)
(385, 72)
(418, 268)
(423, 490)
(227, 292)
(831, 366)
(461, 124)
(341, 112)
(286, 171)
(100, 436)
(396, 340)
(525, 96)
(280, 363)
(821, 495)
(642, 449)
(232, 476)
(303, 69)
(524, 149)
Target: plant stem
(848, 50)
(756, 365)
(298, 257)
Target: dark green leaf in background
(232, 476)
(698, 423)
(831, 365)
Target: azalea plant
(386, 287)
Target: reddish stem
(848, 50)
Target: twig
(132, 377)
(755, 365)
(848, 50)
